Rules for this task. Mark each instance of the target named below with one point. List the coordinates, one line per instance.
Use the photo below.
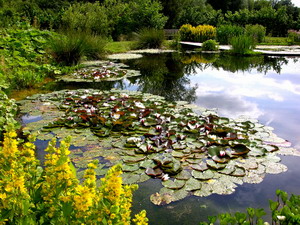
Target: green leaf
(273, 205)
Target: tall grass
(150, 38)
(242, 44)
(226, 32)
(70, 48)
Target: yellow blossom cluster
(54, 195)
(200, 33)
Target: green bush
(200, 33)
(150, 38)
(226, 32)
(87, 17)
(293, 36)
(242, 44)
(257, 32)
(210, 45)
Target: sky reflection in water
(263, 93)
(271, 98)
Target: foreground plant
(284, 211)
(30, 194)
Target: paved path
(264, 49)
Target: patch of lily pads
(101, 71)
(191, 153)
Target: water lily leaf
(192, 185)
(253, 178)
(147, 164)
(206, 190)
(218, 159)
(257, 151)
(133, 159)
(275, 168)
(178, 154)
(212, 164)
(214, 150)
(202, 166)
(153, 172)
(130, 168)
(183, 175)
(205, 175)
(161, 199)
(240, 149)
(239, 172)
(179, 194)
(176, 184)
(129, 178)
(248, 164)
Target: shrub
(30, 194)
(293, 36)
(150, 38)
(226, 32)
(242, 44)
(87, 17)
(257, 32)
(210, 45)
(186, 32)
(204, 32)
(200, 33)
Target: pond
(260, 87)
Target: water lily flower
(70, 118)
(112, 98)
(139, 105)
(86, 91)
(149, 147)
(47, 103)
(157, 115)
(165, 177)
(97, 78)
(202, 130)
(116, 116)
(83, 97)
(142, 121)
(158, 128)
(222, 153)
(123, 95)
(105, 104)
(281, 217)
(168, 119)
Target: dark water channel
(261, 87)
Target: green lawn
(275, 41)
(118, 46)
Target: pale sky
(296, 2)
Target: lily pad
(192, 185)
(176, 184)
(205, 175)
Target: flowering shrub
(32, 195)
(293, 36)
(200, 33)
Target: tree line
(120, 18)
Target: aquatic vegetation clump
(105, 71)
(192, 153)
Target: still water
(261, 87)
(265, 88)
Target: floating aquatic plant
(104, 71)
(192, 153)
